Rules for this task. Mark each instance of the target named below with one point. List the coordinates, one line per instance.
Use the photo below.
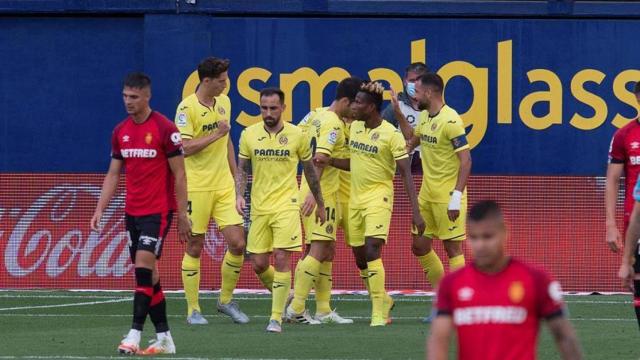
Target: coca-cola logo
(53, 234)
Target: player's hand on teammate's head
(626, 274)
(95, 221)
(241, 204)
(184, 228)
(418, 222)
(614, 238)
(223, 127)
(308, 205)
(321, 215)
(394, 101)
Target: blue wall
(60, 88)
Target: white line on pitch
(343, 298)
(66, 305)
(261, 317)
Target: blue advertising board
(538, 96)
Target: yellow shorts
(342, 219)
(326, 232)
(219, 205)
(438, 224)
(371, 222)
(279, 230)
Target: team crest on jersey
(465, 293)
(125, 138)
(635, 145)
(221, 110)
(283, 140)
(329, 229)
(315, 122)
(516, 292)
(434, 127)
(375, 136)
(148, 138)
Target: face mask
(411, 89)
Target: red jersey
(145, 148)
(625, 149)
(497, 316)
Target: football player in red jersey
(496, 303)
(149, 147)
(624, 160)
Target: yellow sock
(191, 282)
(376, 284)
(306, 276)
(281, 288)
(230, 271)
(266, 278)
(364, 275)
(432, 267)
(323, 288)
(456, 262)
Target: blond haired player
(446, 162)
(376, 148)
(326, 133)
(203, 121)
(272, 150)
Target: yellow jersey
(441, 137)
(324, 131)
(374, 153)
(208, 169)
(345, 176)
(274, 165)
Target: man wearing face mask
(408, 106)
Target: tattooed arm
(242, 174)
(314, 185)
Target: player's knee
(145, 259)
(195, 245)
(280, 260)
(420, 246)
(259, 264)
(453, 248)
(237, 247)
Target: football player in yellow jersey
(325, 131)
(376, 149)
(272, 150)
(203, 121)
(446, 163)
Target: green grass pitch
(74, 325)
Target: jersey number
(331, 213)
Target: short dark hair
(432, 79)
(212, 67)
(374, 91)
(137, 80)
(636, 89)
(416, 67)
(485, 209)
(270, 91)
(348, 88)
